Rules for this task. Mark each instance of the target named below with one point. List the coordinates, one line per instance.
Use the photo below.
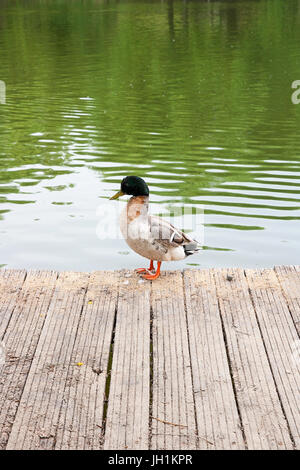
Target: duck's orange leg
(145, 270)
(151, 277)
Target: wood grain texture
(289, 279)
(173, 413)
(36, 421)
(218, 421)
(11, 282)
(263, 420)
(127, 420)
(80, 419)
(206, 359)
(280, 340)
(29, 303)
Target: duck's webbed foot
(151, 277)
(145, 270)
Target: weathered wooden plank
(80, 420)
(280, 340)
(289, 278)
(173, 411)
(21, 336)
(264, 423)
(36, 421)
(127, 420)
(10, 286)
(216, 409)
(11, 281)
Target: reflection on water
(193, 96)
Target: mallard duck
(150, 236)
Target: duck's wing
(164, 235)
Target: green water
(193, 96)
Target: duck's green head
(133, 186)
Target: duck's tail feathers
(191, 248)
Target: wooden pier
(200, 359)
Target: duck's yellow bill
(117, 195)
